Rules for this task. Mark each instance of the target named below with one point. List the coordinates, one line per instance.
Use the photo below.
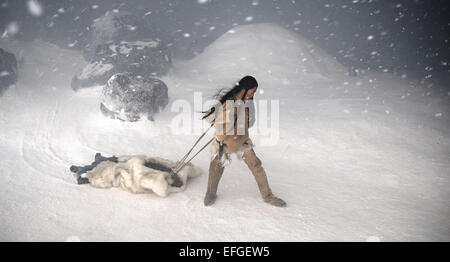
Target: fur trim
(225, 158)
(247, 145)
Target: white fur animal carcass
(140, 174)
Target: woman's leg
(215, 174)
(255, 165)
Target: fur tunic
(231, 124)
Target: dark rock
(8, 70)
(145, 58)
(116, 46)
(129, 97)
(113, 26)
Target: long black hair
(247, 83)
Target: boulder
(146, 58)
(95, 73)
(129, 97)
(112, 26)
(8, 70)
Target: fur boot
(254, 164)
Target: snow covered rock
(145, 58)
(8, 70)
(129, 97)
(95, 73)
(113, 26)
(117, 46)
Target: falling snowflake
(11, 29)
(72, 44)
(131, 28)
(249, 18)
(35, 8)
(4, 73)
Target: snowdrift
(266, 51)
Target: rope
(181, 163)
(187, 162)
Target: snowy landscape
(358, 158)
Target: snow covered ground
(358, 158)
